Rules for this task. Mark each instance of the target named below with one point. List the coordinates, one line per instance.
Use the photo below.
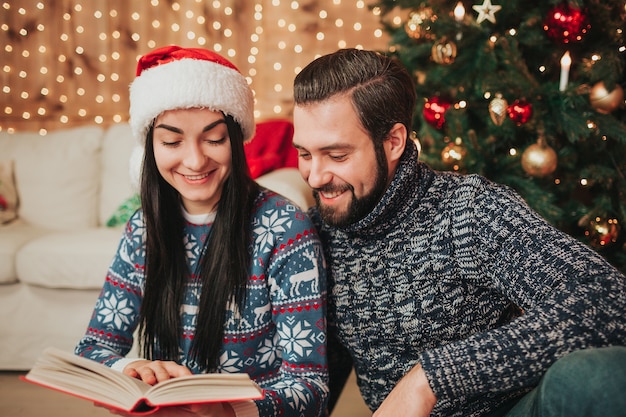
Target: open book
(84, 378)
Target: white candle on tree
(459, 15)
(459, 12)
(566, 62)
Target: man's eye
(304, 155)
(338, 157)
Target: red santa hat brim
(172, 77)
(177, 78)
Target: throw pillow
(124, 211)
(271, 147)
(8, 193)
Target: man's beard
(358, 208)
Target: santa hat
(172, 77)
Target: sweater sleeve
(571, 298)
(297, 278)
(109, 335)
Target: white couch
(54, 257)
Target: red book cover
(83, 378)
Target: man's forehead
(326, 143)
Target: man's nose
(319, 175)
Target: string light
(57, 75)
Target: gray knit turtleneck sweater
(426, 276)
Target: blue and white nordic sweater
(425, 277)
(279, 339)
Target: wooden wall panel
(69, 62)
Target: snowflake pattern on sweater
(279, 338)
(425, 277)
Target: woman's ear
(396, 142)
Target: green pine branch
(514, 58)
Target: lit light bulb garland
(59, 75)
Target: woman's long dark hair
(223, 269)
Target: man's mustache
(332, 188)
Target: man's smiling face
(338, 160)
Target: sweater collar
(409, 184)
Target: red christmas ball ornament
(601, 231)
(434, 111)
(520, 111)
(566, 24)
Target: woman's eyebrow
(168, 127)
(212, 125)
(179, 130)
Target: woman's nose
(194, 157)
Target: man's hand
(152, 372)
(411, 397)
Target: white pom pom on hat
(172, 77)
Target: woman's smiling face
(193, 154)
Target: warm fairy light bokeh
(68, 62)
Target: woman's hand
(152, 372)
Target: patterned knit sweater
(279, 338)
(426, 276)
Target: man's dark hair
(381, 89)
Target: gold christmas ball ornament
(453, 154)
(604, 101)
(497, 110)
(444, 51)
(418, 23)
(539, 160)
(601, 231)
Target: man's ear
(396, 142)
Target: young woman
(213, 273)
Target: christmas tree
(529, 94)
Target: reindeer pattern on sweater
(279, 337)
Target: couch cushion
(289, 183)
(13, 237)
(56, 175)
(77, 259)
(34, 318)
(116, 188)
